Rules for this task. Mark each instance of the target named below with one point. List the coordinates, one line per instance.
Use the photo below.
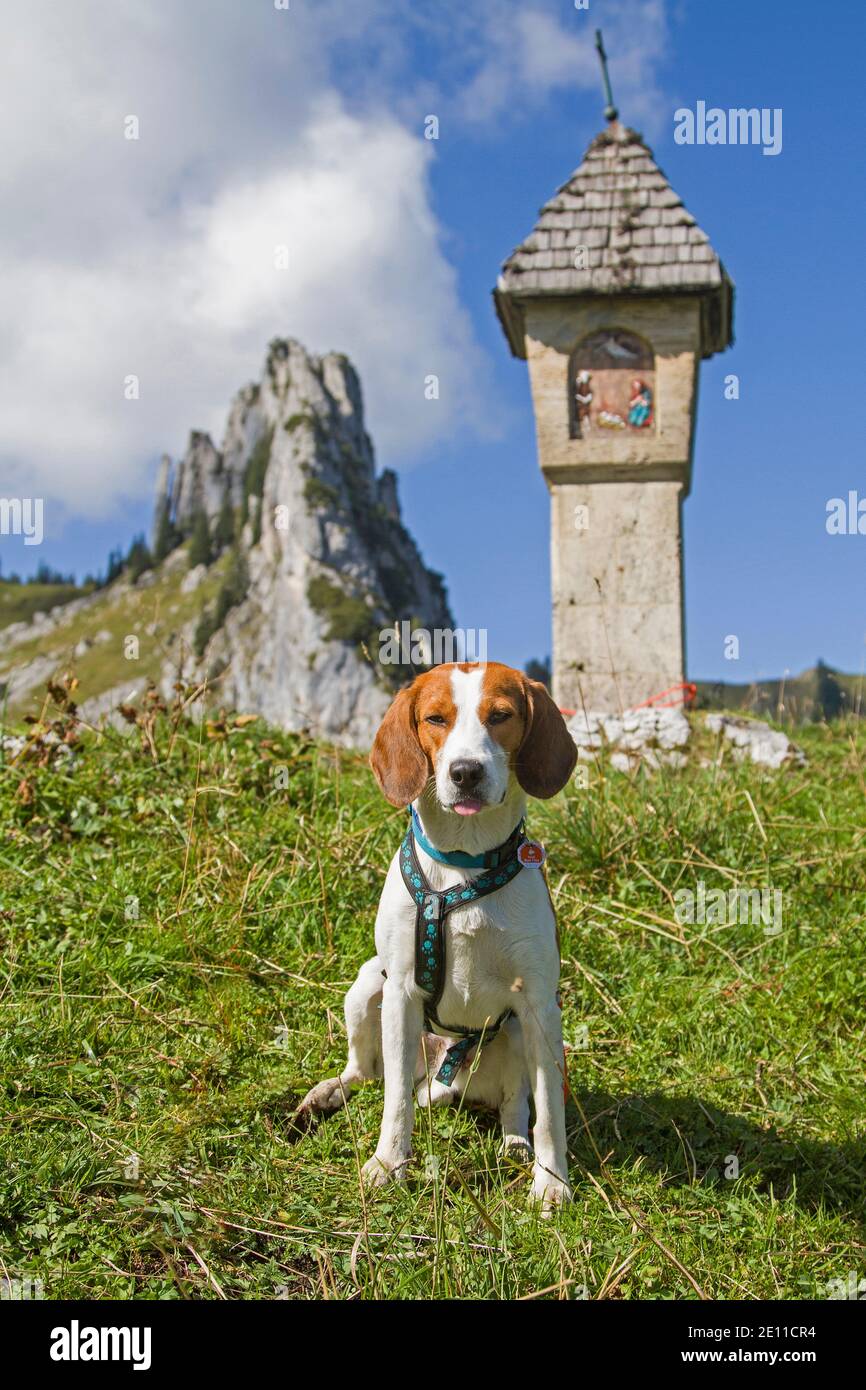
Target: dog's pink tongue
(469, 806)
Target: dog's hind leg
(514, 1107)
(507, 1086)
(364, 1029)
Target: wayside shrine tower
(613, 299)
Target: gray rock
(193, 579)
(631, 737)
(660, 737)
(756, 741)
(325, 520)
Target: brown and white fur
(465, 744)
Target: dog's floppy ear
(546, 757)
(398, 761)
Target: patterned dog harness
(431, 909)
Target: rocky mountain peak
(321, 559)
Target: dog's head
(474, 729)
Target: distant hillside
(819, 693)
(19, 602)
(275, 563)
(90, 637)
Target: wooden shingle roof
(616, 227)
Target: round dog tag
(531, 854)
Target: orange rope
(688, 696)
(688, 688)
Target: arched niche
(611, 384)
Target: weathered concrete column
(616, 561)
(613, 300)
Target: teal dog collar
(491, 860)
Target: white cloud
(526, 54)
(156, 256)
(189, 304)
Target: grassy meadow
(182, 907)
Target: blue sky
(515, 91)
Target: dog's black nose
(466, 773)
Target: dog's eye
(498, 716)
(434, 719)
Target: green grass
(159, 1035)
(18, 602)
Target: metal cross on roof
(610, 110)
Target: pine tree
(539, 670)
(234, 587)
(254, 473)
(256, 502)
(830, 695)
(233, 591)
(166, 537)
(113, 568)
(204, 631)
(224, 534)
(200, 549)
(139, 559)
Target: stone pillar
(617, 583)
(613, 299)
(616, 499)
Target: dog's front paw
(377, 1171)
(551, 1191)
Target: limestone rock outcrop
(327, 561)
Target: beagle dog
(462, 747)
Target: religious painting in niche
(612, 384)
